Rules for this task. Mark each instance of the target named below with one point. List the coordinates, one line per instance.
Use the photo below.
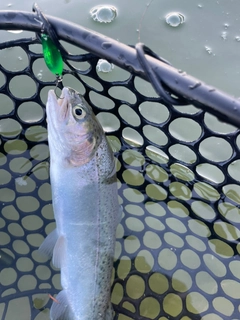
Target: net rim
(203, 96)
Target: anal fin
(60, 310)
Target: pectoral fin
(46, 248)
(53, 246)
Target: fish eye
(79, 112)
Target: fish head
(73, 130)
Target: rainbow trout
(86, 209)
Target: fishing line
(141, 20)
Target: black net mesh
(177, 248)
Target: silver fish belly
(86, 209)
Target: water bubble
(106, 45)
(237, 38)
(9, 5)
(211, 90)
(183, 73)
(224, 35)
(226, 25)
(103, 13)
(208, 49)
(174, 19)
(40, 75)
(20, 58)
(104, 66)
(200, 5)
(195, 85)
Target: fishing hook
(58, 85)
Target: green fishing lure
(52, 55)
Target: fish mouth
(57, 109)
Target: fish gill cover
(177, 247)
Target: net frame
(138, 61)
